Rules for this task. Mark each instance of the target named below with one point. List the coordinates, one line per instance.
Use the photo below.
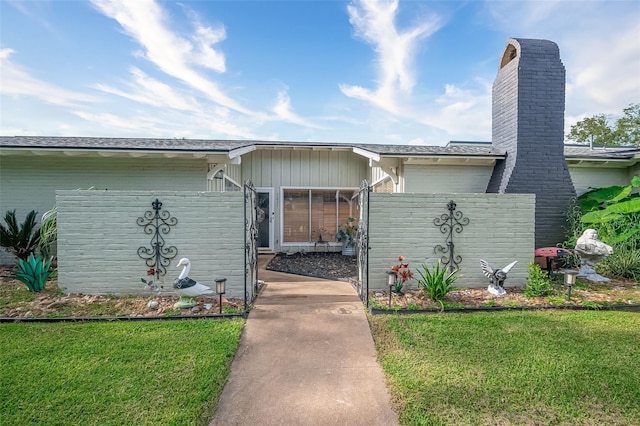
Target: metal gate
(362, 242)
(251, 215)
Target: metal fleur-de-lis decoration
(449, 223)
(156, 223)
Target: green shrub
(538, 283)
(33, 272)
(621, 264)
(20, 240)
(436, 282)
(49, 234)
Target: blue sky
(399, 72)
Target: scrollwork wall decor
(157, 223)
(450, 223)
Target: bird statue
(188, 288)
(497, 277)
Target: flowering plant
(150, 284)
(403, 273)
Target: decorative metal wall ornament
(449, 223)
(253, 215)
(362, 242)
(156, 223)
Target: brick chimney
(528, 122)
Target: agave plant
(33, 272)
(20, 240)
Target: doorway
(266, 218)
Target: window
(313, 214)
(231, 185)
(383, 185)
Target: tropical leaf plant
(22, 240)
(601, 197)
(33, 272)
(615, 213)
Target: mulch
(328, 265)
(335, 266)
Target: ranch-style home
(305, 189)
(509, 194)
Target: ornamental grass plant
(436, 281)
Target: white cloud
(282, 110)
(144, 21)
(114, 121)
(599, 48)
(147, 90)
(172, 124)
(374, 22)
(14, 81)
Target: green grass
(114, 373)
(531, 368)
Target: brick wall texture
(528, 122)
(500, 230)
(98, 239)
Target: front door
(266, 216)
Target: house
(306, 190)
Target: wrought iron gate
(362, 242)
(250, 244)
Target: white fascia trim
(72, 152)
(367, 154)
(241, 151)
(601, 162)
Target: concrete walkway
(306, 357)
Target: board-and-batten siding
(302, 168)
(446, 179)
(29, 182)
(593, 177)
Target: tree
(629, 125)
(600, 130)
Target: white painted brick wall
(500, 230)
(98, 239)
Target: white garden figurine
(497, 277)
(188, 288)
(591, 251)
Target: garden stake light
(221, 288)
(391, 282)
(569, 281)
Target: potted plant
(346, 234)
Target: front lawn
(114, 373)
(531, 368)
